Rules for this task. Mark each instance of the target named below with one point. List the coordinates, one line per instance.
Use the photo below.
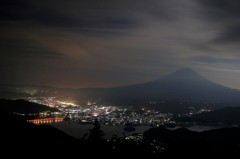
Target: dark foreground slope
(19, 138)
(22, 139)
(24, 107)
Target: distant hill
(228, 115)
(184, 142)
(173, 93)
(22, 106)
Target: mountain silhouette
(175, 92)
(185, 84)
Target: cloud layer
(92, 43)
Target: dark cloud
(213, 60)
(82, 14)
(220, 9)
(86, 15)
(225, 14)
(229, 34)
(14, 9)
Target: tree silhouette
(96, 132)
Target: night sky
(107, 43)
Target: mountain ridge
(177, 91)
